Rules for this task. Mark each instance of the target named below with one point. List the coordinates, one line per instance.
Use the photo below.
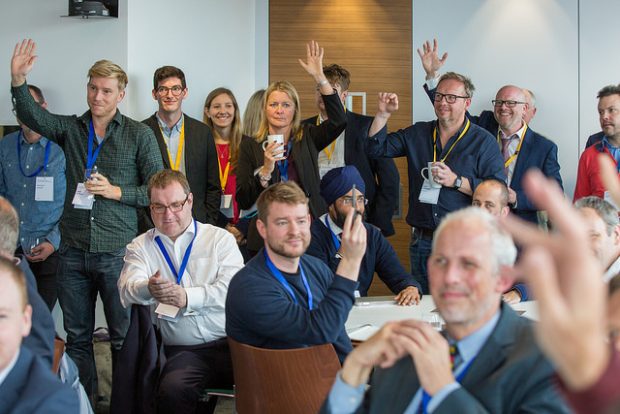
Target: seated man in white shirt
(182, 269)
(604, 227)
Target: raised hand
(430, 58)
(387, 103)
(22, 61)
(314, 60)
(353, 246)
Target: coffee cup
(429, 168)
(274, 138)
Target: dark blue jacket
(260, 312)
(31, 388)
(380, 257)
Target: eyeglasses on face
(510, 104)
(348, 201)
(174, 207)
(450, 98)
(163, 90)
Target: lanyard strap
(188, 251)
(278, 275)
(283, 165)
(453, 145)
(329, 151)
(426, 398)
(334, 237)
(224, 175)
(177, 164)
(19, 157)
(513, 157)
(91, 156)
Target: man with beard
(588, 177)
(488, 360)
(337, 188)
(285, 299)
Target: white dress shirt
(335, 158)
(214, 260)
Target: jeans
(81, 275)
(419, 251)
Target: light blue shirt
(345, 399)
(37, 219)
(614, 151)
(172, 138)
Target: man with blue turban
(337, 189)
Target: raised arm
(22, 61)
(387, 104)
(430, 59)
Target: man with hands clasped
(459, 153)
(487, 362)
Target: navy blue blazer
(509, 375)
(380, 175)
(31, 387)
(595, 138)
(380, 257)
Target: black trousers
(188, 371)
(45, 275)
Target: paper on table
(362, 333)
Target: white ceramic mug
(274, 138)
(430, 177)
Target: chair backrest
(282, 380)
(59, 349)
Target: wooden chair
(282, 380)
(59, 350)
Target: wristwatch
(458, 182)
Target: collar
(41, 142)
(516, 135)
(613, 270)
(176, 127)
(333, 226)
(86, 117)
(607, 144)
(6, 371)
(470, 345)
(184, 237)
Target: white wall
(530, 43)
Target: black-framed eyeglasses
(348, 201)
(174, 207)
(450, 98)
(510, 104)
(176, 90)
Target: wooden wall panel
(372, 39)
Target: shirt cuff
(432, 83)
(441, 395)
(343, 398)
(195, 299)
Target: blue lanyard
(278, 275)
(162, 248)
(19, 157)
(334, 237)
(283, 165)
(427, 398)
(92, 156)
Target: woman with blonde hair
(253, 113)
(263, 162)
(221, 113)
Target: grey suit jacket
(509, 375)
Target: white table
(365, 320)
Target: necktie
(506, 152)
(455, 361)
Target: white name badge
(226, 205)
(82, 199)
(44, 189)
(429, 194)
(167, 312)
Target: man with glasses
(522, 148)
(181, 269)
(185, 143)
(338, 187)
(32, 178)
(110, 158)
(456, 153)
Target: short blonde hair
(289, 89)
(107, 69)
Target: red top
(588, 174)
(223, 156)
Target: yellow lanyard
(328, 150)
(223, 176)
(513, 156)
(177, 164)
(453, 145)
